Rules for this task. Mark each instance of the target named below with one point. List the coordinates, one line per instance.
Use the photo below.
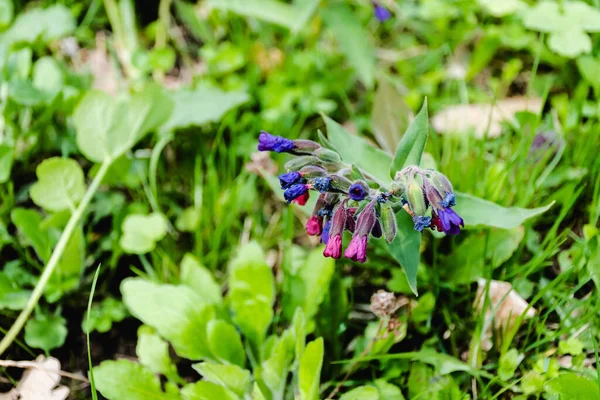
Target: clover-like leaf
(582, 15)
(141, 232)
(545, 16)
(46, 332)
(60, 184)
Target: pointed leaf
(406, 248)
(390, 115)
(204, 390)
(225, 343)
(310, 370)
(231, 376)
(411, 147)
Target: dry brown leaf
(39, 382)
(464, 118)
(505, 304)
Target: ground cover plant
(269, 199)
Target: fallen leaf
(39, 381)
(505, 304)
(482, 118)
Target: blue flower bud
(290, 178)
(294, 192)
(358, 191)
(268, 142)
(322, 184)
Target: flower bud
(297, 163)
(397, 188)
(322, 184)
(340, 184)
(328, 156)
(312, 171)
(388, 222)
(441, 183)
(302, 146)
(415, 197)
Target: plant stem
(38, 291)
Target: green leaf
(387, 391)
(60, 184)
(225, 343)
(126, 380)
(46, 332)
(11, 296)
(411, 147)
(232, 377)
(188, 220)
(204, 390)
(28, 222)
(306, 283)
(361, 393)
(582, 15)
(508, 364)
(419, 380)
(6, 160)
(48, 24)
(390, 115)
(18, 64)
(572, 346)
(275, 368)
(199, 278)
(502, 8)
(545, 16)
(251, 292)
(476, 211)
(103, 315)
(354, 149)
(570, 386)
(443, 363)
(589, 67)
(353, 40)
(309, 373)
(141, 232)
(107, 127)
(201, 106)
(406, 248)
(6, 12)
(25, 94)
(48, 76)
(70, 266)
(272, 11)
(570, 42)
(176, 312)
(153, 353)
(481, 252)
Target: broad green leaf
(476, 211)
(28, 223)
(199, 278)
(48, 24)
(60, 184)
(141, 232)
(6, 12)
(153, 353)
(225, 343)
(11, 296)
(502, 8)
(46, 332)
(48, 76)
(18, 64)
(390, 115)
(353, 39)
(251, 292)
(570, 42)
(309, 373)
(356, 150)
(412, 145)
(406, 248)
(176, 312)
(570, 386)
(361, 393)
(481, 252)
(275, 368)
(306, 283)
(589, 67)
(387, 391)
(582, 15)
(126, 380)
(6, 160)
(508, 364)
(24, 93)
(545, 16)
(204, 390)
(107, 127)
(273, 11)
(232, 377)
(419, 380)
(200, 106)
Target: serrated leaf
(476, 211)
(126, 380)
(412, 145)
(199, 278)
(406, 248)
(141, 232)
(175, 311)
(230, 376)
(46, 332)
(309, 373)
(354, 149)
(353, 40)
(251, 292)
(225, 343)
(200, 106)
(107, 127)
(570, 42)
(60, 184)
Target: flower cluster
(350, 201)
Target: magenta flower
(313, 226)
(357, 249)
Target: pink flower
(357, 249)
(334, 247)
(302, 199)
(313, 226)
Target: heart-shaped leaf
(60, 184)
(141, 232)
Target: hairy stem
(38, 291)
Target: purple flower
(450, 221)
(295, 191)
(421, 222)
(322, 184)
(358, 191)
(449, 200)
(338, 224)
(325, 233)
(313, 225)
(268, 142)
(290, 178)
(381, 13)
(334, 247)
(357, 249)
